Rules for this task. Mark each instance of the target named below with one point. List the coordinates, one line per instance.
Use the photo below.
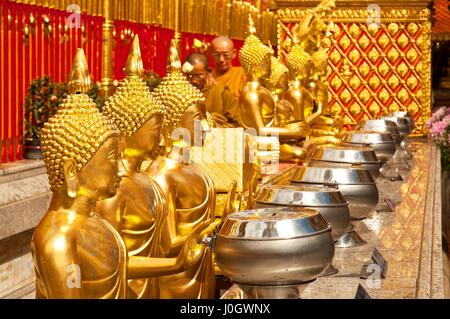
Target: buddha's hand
(300, 127)
(193, 247)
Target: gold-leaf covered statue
(76, 252)
(299, 64)
(139, 209)
(189, 191)
(312, 36)
(257, 107)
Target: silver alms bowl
(327, 200)
(356, 185)
(382, 143)
(345, 156)
(384, 126)
(274, 246)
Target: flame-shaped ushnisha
(133, 104)
(77, 130)
(175, 92)
(253, 52)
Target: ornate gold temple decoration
(226, 17)
(225, 158)
(60, 139)
(139, 208)
(132, 105)
(374, 70)
(107, 47)
(76, 252)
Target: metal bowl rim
(318, 232)
(304, 206)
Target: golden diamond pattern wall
(376, 68)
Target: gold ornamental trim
(361, 15)
(213, 17)
(353, 4)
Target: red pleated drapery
(26, 56)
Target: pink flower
(438, 128)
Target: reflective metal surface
(406, 115)
(367, 137)
(327, 200)
(253, 246)
(273, 223)
(382, 143)
(380, 125)
(402, 124)
(356, 185)
(332, 175)
(350, 239)
(373, 168)
(345, 156)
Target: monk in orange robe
(223, 52)
(220, 102)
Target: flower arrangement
(439, 128)
(42, 100)
(95, 94)
(152, 79)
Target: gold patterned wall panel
(375, 66)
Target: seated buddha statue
(278, 84)
(307, 93)
(139, 208)
(76, 252)
(326, 124)
(258, 105)
(189, 191)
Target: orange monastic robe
(221, 104)
(234, 79)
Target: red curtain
(154, 42)
(25, 58)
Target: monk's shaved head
(223, 52)
(196, 58)
(198, 75)
(222, 43)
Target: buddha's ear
(70, 176)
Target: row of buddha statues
(117, 228)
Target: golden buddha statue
(277, 83)
(313, 37)
(139, 208)
(76, 252)
(189, 191)
(300, 65)
(257, 107)
(326, 124)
